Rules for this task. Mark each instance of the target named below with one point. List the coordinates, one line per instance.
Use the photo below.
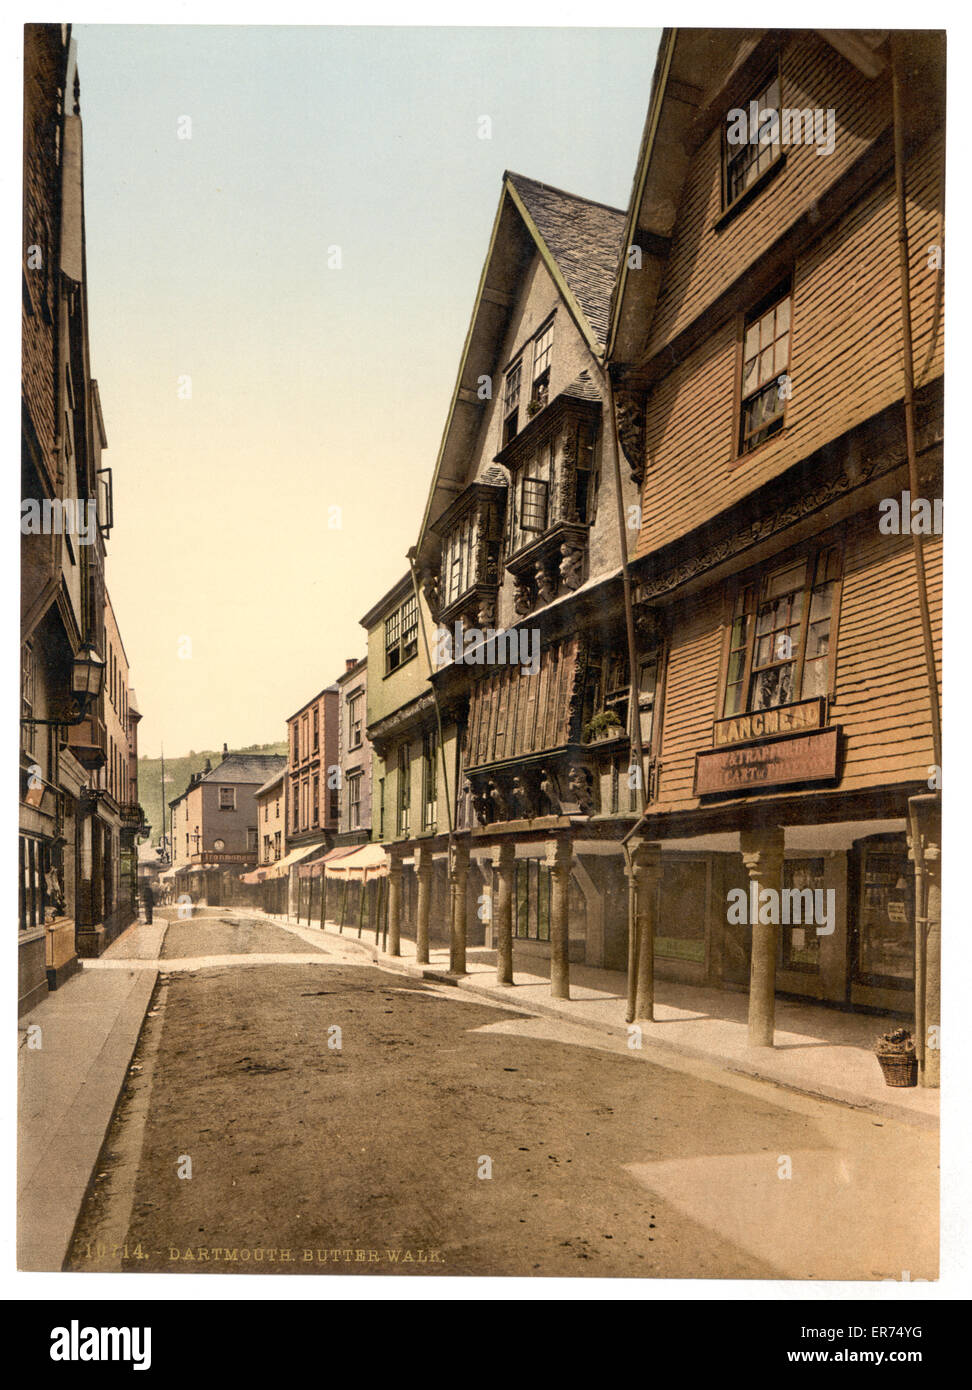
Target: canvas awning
(316, 867)
(256, 875)
(284, 865)
(364, 863)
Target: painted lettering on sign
(767, 723)
(810, 758)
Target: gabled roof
(579, 242)
(695, 73)
(584, 239)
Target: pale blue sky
(311, 386)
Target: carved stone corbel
(629, 408)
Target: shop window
(780, 638)
(531, 901)
(799, 946)
(681, 910)
(885, 916)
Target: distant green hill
(177, 773)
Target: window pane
(822, 602)
(887, 941)
(751, 345)
(782, 358)
(773, 687)
(766, 329)
(815, 678)
(783, 316)
(787, 580)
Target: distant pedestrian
(148, 898)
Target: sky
(274, 409)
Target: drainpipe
(634, 713)
(917, 540)
(435, 697)
(927, 971)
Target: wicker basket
(900, 1068)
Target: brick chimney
(350, 662)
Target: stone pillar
(930, 1074)
(504, 860)
(645, 873)
(558, 862)
(762, 852)
(925, 825)
(423, 875)
(394, 904)
(458, 872)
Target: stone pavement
(820, 1051)
(68, 1087)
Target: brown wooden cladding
(845, 362)
(513, 713)
(704, 259)
(881, 700)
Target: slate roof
(246, 767)
(583, 389)
(271, 782)
(584, 239)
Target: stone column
(558, 862)
(925, 824)
(394, 904)
(423, 875)
(762, 852)
(645, 872)
(504, 861)
(930, 1074)
(458, 872)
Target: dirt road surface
(338, 1118)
